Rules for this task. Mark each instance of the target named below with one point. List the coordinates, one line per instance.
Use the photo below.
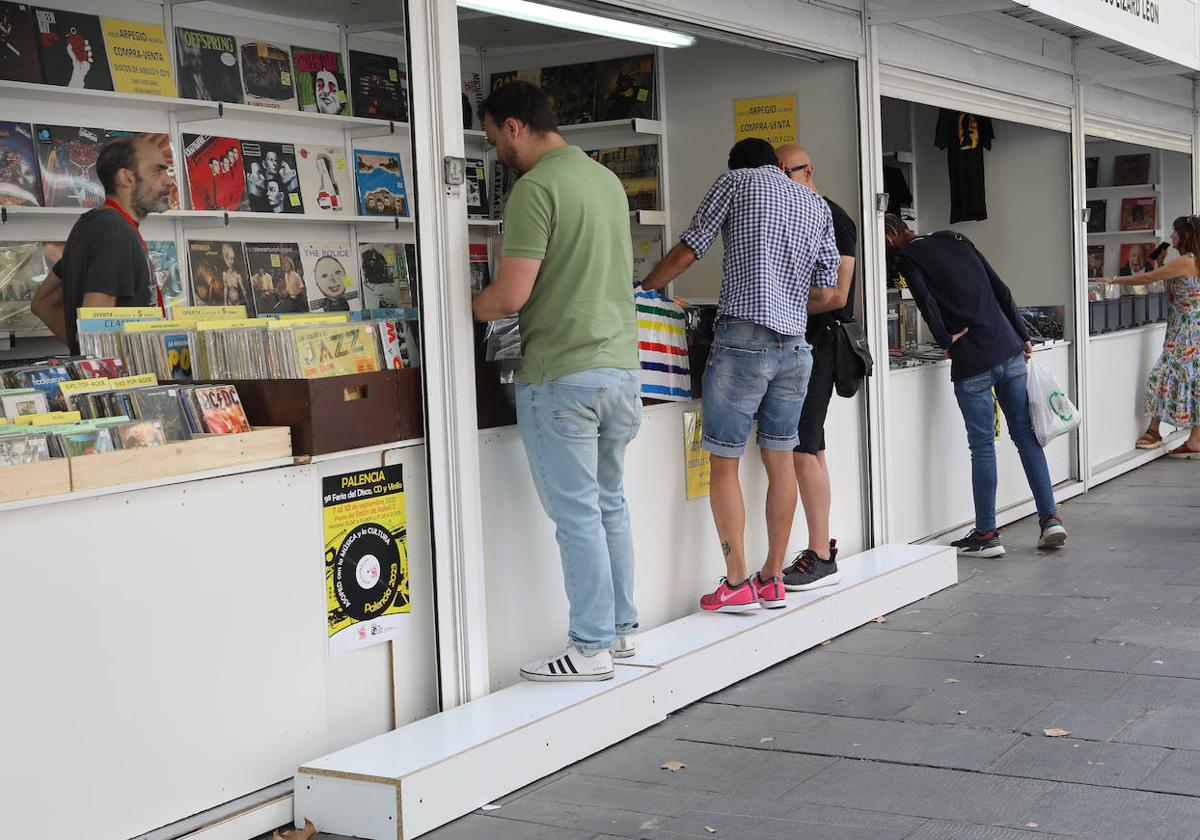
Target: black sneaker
(810, 571)
(973, 545)
(1053, 532)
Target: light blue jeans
(575, 429)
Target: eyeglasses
(789, 170)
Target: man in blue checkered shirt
(780, 256)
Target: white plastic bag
(1050, 409)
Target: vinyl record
(367, 572)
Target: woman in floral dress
(1173, 386)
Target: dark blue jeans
(974, 397)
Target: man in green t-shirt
(566, 267)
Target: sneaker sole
(828, 580)
(1184, 456)
(526, 675)
(986, 553)
(772, 605)
(1053, 539)
(734, 608)
(623, 654)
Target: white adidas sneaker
(623, 646)
(570, 666)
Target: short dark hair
(116, 155)
(522, 101)
(751, 153)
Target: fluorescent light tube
(580, 22)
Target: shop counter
(930, 469)
(168, 651)
(1119, 360)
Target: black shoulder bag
(852, 361)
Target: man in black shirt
(816, 566)
(971, 314)
(104, 262)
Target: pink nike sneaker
(771, 593)
(729, 599)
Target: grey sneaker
(623, 647)
(1053, 532)
(973, 545)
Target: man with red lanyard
(104, 262)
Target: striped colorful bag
(662, 348)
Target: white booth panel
(1120, 361)
(677, 551)
(930, 470)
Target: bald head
(796, 163)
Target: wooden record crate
(28, 481)
(336, 413)
(200, 454)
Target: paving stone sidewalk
(932, 725)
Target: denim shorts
(753, 370)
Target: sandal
(1150, 440)
(1184, 454)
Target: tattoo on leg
(726, 547)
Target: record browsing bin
(338, 413)
(56, 476)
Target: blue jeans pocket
(575, 408)
(737, 370)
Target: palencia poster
(366, 557)
(696, 460)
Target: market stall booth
(668, 144)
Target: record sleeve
(533, 75)
(67, 161)
(379, 88)
(221, 410)
(266, 74)
(21, 272)
(325, 181)
(218, 274)
(164, 264)
(472, 86)
(23, 401)
(19, 181)
(46, 379)
(384, 274)
(162, 404)
(572, 92)
(276, 278)
(1139, 213)
(1131, 170)
(208, 66)
(625, 88)
(380, 178)
(272, 177)
(329, 274)
(1098, 216)
(477, 203)
(138, 57)
(637, 168)
(481, 276)
(216, 177)
(140, 434)
(71, 45)
(320, 81)
(19, 59)
(23, 449)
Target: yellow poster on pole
(773, 118)
(695, 459)
(366, 556)
(137, 54)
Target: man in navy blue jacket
(972, 315)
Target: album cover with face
(266, 74)
(326, 183)
(207, 66)
(320, 81)
(272, 177)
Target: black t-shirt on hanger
(964, 137)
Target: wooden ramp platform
(414, 779)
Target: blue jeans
(753, 370)
(974, 397)
(575, 429)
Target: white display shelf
(1153, 234)
(474, 135)
(649, 218)
(485, 223)
(1127, 190)
(219, 217)
(195, 110)
(632, 126)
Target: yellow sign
(140, 381)
(119, 312)
(695, 459)
(84, 386)
(366, 556)
(773, 118)
(209, 313)
(137, 55)
(336, 350)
